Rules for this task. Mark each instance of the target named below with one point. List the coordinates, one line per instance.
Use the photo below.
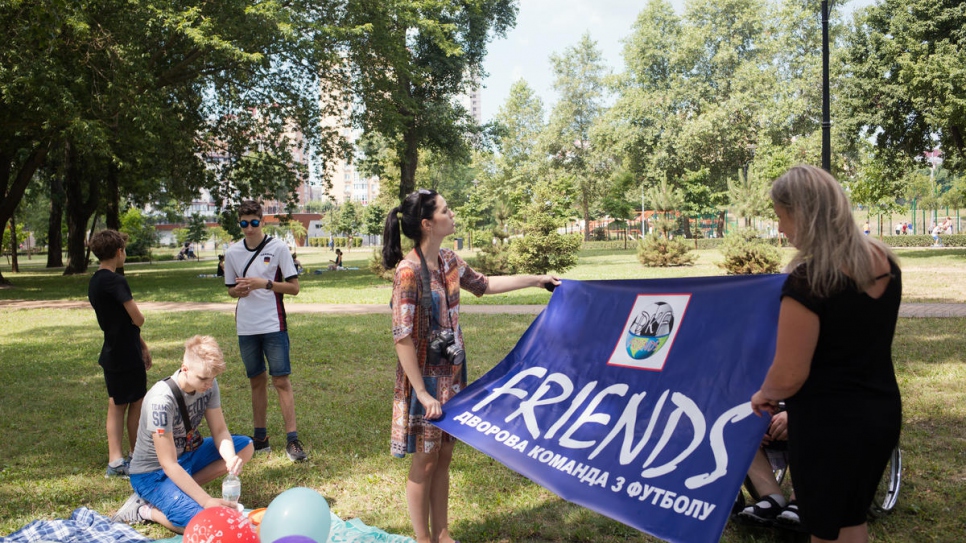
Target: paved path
(913, 310)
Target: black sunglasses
(254, 222)
(419, 200)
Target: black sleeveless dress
(844, 422)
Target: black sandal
(765, 511)
(789, 517)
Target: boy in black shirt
(124, 358)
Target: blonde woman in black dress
(833, 361)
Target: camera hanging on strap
(442, 347)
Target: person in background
(427, 376)
(221, 266)
(772, 507)
(124, 357)
(833, 359)
(337, 263)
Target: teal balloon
(296, 512)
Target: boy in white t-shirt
(259, 271)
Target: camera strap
(179, 397)
(426, 298)
(257, 250)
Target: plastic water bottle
(231, 489)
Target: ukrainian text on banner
(631, 398)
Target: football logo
(649, 331)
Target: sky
(545, 27)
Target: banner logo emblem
(649, 331)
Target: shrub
(494, 258)
(655, 251)
(924, 240)
(598, 234)
(746, 253)
(535, 253)
(355, 241)
(376, 267)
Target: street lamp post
(826, 115)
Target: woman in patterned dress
(422, 386)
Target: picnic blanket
(86, 526)
(341, 531)
(83, 526)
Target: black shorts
(127, 386)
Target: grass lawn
(52, 451)
(929, 275)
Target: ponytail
(391, 243)
(405, 219)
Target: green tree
(905, 84)
(126, 94)
(408, 60)
(14, 233)
(373, 220)
(542, 249)
(748, 196)
(518, 163)
(579, 80)
(704, 94)
(297, 230)
(141, 233)
(876, 188)
(348, 221)
(197, 229)
(617, 202)
(220, 236)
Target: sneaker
(261, 446)
(129, 512)
(118, 471)
(295, 451)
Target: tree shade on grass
(52, 451)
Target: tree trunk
(112, 217)
(79, 210)
(408, 163)
(721, 224)
(11, 195)
(55, 237)
(14, 264)
(112, 214)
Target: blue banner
(631, 398)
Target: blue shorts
(256, 349)
(165, 496)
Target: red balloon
(220, 525)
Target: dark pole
(826, 116)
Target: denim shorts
(273, 346)
(165, 496)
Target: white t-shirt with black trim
(262, 311)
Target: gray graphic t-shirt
(160, 413)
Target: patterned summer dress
(410, 432)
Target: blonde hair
(203, 352)
(826, 235)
